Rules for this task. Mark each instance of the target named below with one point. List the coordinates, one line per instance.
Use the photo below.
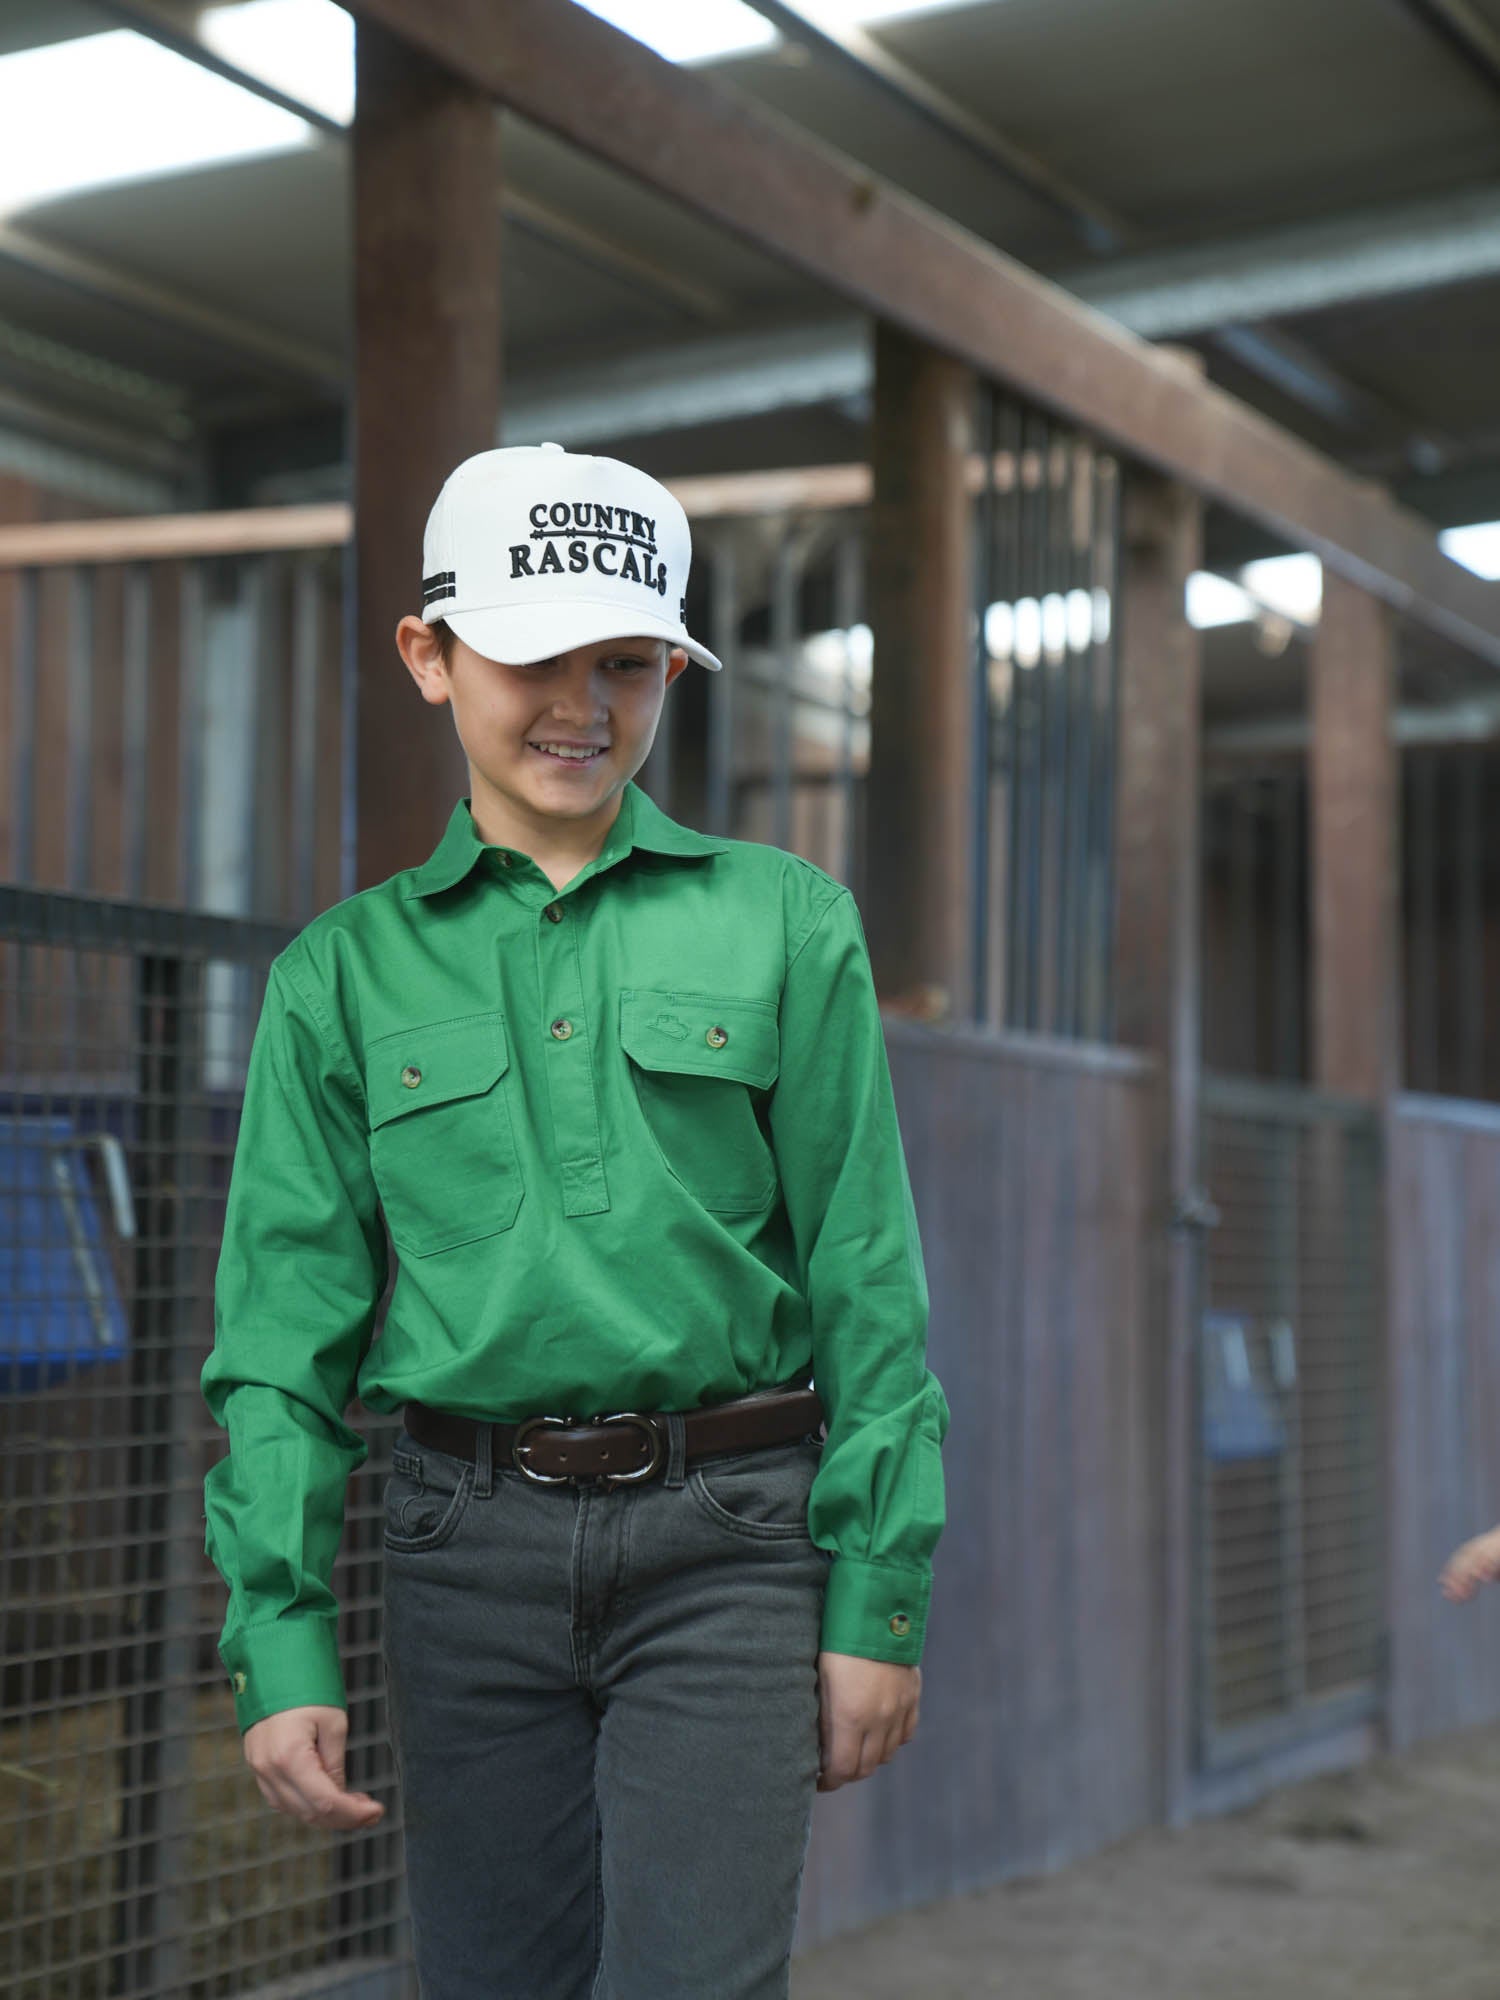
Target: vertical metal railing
(139, 1858)
(1046, 564)
(1289, 1614)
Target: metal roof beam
(851, 49)
(1308, 267)
(722, 157)
(1276, 361)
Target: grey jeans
(603, 1707)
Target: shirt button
(411, 1076)
(900, 1624)
(716, 1037)
(553, 913)
(239, 1683)
(562, 1029)
(507, 860)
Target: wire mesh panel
(1046, 565)
(137, 1856)
(1289, 1611)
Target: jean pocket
(442, 1149)
(759, 1494)
(427, 1494)
(703, 1065)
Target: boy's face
(606, 697)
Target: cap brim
(519, 637)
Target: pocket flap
(433, 1063)
(670, 1031)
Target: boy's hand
(867, 1710)
(297, 1756)
(1475, 1563)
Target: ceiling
(192, 330)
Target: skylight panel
(1291, 585)
(1214, 600)
(703, 32)
(302, 47)
(1476, 546)
(102, 109)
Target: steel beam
(723, 158)
(1308, 267)
(851, 49)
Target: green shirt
(635, 1145)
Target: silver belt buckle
(606, 1480)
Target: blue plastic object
(1242, 1412)
(59, 1305)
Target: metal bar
(136, 727)
(1019, 544)
(154, 1757)
(983, 531)
(307, 634)
(23, 727)
(96, 923)
(1107, 691)
(1288, 950)
(80, 778)
(191, 632)
(848, 591)
(785, 635)
(1469, 922)
(828, 218)
(725, 617)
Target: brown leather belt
(625, 1445)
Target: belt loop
(484, 1460)
(676, 1449)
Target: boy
(621, 1094)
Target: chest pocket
(701, 1064)
(441, 1145)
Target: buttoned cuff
(875, 1611)
(287, 1663)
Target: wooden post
(1352, 795)
(1158, 1009)
(426, 174)
(920, 592)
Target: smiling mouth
(561, 756)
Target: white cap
(531, 550)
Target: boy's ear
(677, 659)
(419, 647)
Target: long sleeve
(300, 1275)
(877, 1503)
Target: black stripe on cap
(443, 584)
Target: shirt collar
(640, 822)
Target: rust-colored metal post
(920, 596)
(1158, 1008)
(426, 178)
(1352, 794)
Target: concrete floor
(1381, 1883)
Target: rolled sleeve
(877, 1503)
(300, 1274)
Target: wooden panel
(1027, 1165)
(920, 610)
(1352, 811)
(712, 149)
(426, 175)
(1444, 1404)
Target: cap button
(550, 447)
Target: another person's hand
(1477, 1562)
(297, 1756)
(867, 1710)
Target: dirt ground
(1382, 1882)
